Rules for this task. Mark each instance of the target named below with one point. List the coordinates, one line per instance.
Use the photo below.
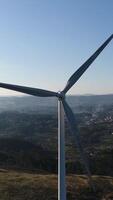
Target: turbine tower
(64, 107)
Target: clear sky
(42, 42)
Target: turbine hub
(61, 95)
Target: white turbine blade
(73, 127)
(74, 78)
(29, 90)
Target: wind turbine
(63, 106)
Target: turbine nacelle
(61, 95)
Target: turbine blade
(74, 78)
(29, 90)
(73, 127)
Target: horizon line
(94, 94)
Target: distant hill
(43, 105)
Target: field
(28, 186)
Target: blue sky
(42, 42)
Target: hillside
(29, 141)
(24, 155)
(28, 149)
(27, 186)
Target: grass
(26, 186)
